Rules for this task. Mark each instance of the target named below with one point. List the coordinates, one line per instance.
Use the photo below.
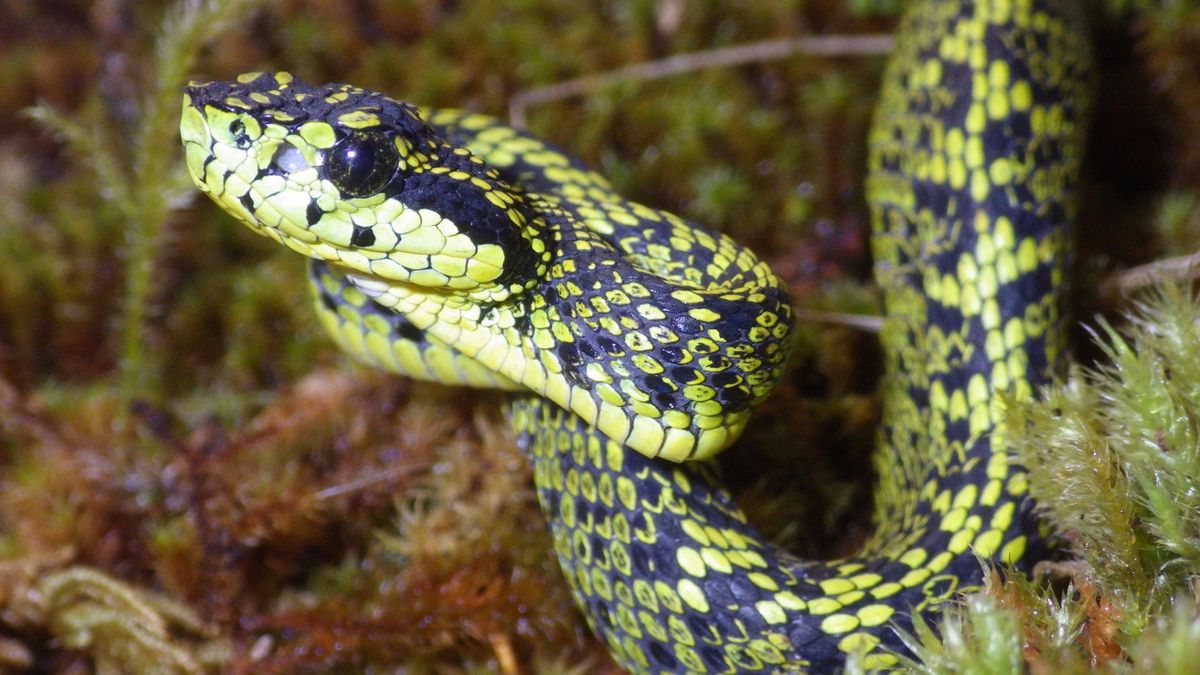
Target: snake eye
(362, 164)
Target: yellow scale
(639, 331)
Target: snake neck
(665, 368)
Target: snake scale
(450, 247)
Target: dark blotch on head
(362, 236)
(247, 202)
(313, 213)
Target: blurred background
(192, 475)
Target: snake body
(450, 247)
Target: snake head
(353, 177)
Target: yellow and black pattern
(558, 292)
(450, 247)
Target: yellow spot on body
(987, 543)
(886, 590)
(690, 561)
(979, 186)
(867, 580)
(850, 598)
(789, 600)
(940, 561)
(693, 595)
(822, 606)
(696, 531)
(961, 541)
(771, 612)
(880, 661)
(858, 643)
(1001, 171)
(875, 615)
(836, 586)
(762, 581)
(1021, 96)
(914, 577)
(1013, 551)
(997, 105)
(687, 297)
(953, 520)
(716, 560)
(668, 597)
(1002, 518)
(914, 557)
(839, 623)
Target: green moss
(1114, 461)
(255, 473)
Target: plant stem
(186, 29)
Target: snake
(448, 246)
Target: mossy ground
(191, 475)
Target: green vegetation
(192, 476)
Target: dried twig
(1181, 268)
(390, 474)
(864, 322)
(768, 50)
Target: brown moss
(324, 517)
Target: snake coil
(450, 247)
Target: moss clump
(172, 418)
(1114, 462)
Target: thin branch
(1182, 268)
(391, 473)
(864, 322)
(769, 50)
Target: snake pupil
(362, 164)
